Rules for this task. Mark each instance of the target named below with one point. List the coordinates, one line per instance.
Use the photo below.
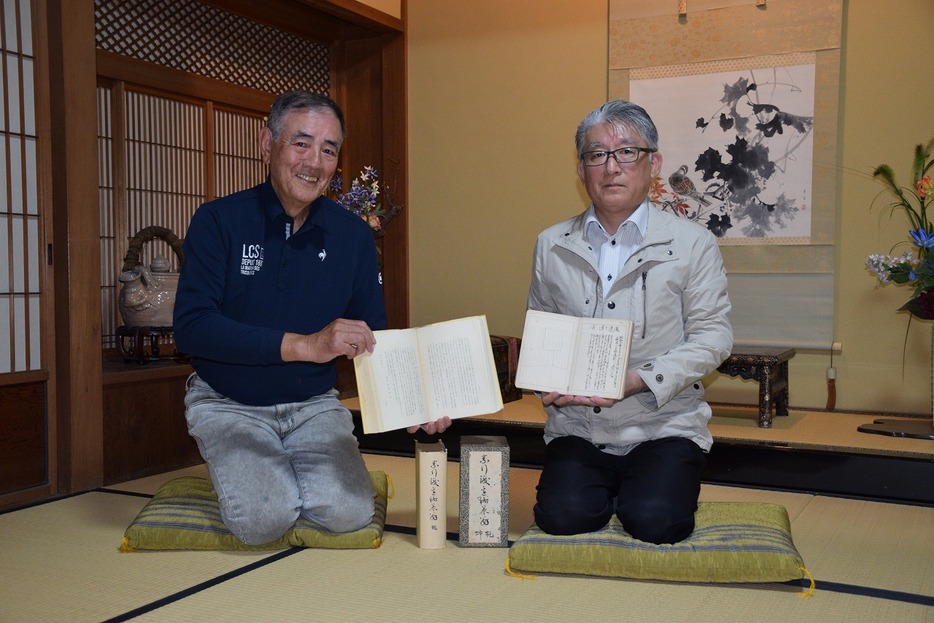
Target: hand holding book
(427, 376)
(576, 359)
(434, 427)
(633, 385)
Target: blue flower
(922, 238)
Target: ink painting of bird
(682, 184)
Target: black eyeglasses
(623, 155)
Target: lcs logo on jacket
(251, 261)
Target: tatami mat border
(202, 586)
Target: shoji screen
(20, 231)
(158, 163)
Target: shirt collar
(640, 218)
(275, 211)
(316, 223)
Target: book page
(575, 356)
(458, 368)
(388, 383)
(602, 358)
(545, 356)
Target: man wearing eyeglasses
(278, 282)
(639, 458)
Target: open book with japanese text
(574, 356)
(415, 376)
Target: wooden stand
(145, 344)
(768, 366)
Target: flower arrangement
(908, 268)
(362, 198)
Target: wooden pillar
(369, 74)
(76, 244)
(395, 166)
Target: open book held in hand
(574, 356)
(415, 376)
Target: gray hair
(300, 101)
(619, 112)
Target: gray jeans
(272, 464)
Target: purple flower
(362, 198)
(922, 238)
(337, 182)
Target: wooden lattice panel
(199, 39)
(21, 225)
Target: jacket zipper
(645, 305)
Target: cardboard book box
(484, 491)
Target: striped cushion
(184, 514)
(731, 542)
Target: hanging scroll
(756, 86)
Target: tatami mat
(60, 562)
(869, 544)
(400, 583)
(872, 562)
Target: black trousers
(653, 489)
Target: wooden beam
(325, 21)
(358, 13)
(161, 78)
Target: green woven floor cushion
(184, 514)
(731, 542)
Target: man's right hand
(341, 337)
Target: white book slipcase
(431, 466)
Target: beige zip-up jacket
(674, 289)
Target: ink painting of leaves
(737, 149)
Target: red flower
(924, 186)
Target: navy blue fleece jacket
(246, 282)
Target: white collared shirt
(612, 252)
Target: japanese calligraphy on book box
(484, 491)
(431, 495)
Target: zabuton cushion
(731, 542)
(184, 514)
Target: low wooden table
(768, 366)
(146, 344)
